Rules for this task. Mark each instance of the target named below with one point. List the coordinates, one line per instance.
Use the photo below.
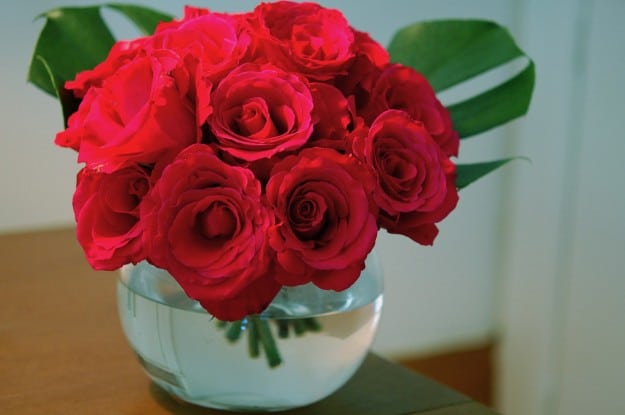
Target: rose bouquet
(247, 152)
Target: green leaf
(496, 106)
(468, 173)
(449, 52)
(144, 18)
(73, 39)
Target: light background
(533, 255)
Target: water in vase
(185, 351)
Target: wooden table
(62, 351)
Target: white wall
(562, 307)
(435, 297)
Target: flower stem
(234, 331)
(259, 334)
(312, 324)
(252, 340)
(268, 342)
(283, 328)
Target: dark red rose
(370, 58)
(205, 224)
(414, 179)
(402, 88)
(332, 117)
(140, 113)
(421, 226)
(305, 38)
(260, 111)
(325, 222)
(365, 46)
(106, 208)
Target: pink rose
(325, 222)
(402, 88)
(139, 114)
(210, 44)
(414, 179)
(106, 208)
(305, 37)
(205, 224)
(260, 111)
(120, 54)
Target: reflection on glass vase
(302, 348)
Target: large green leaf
(72, 39)
(449, 52)
(77, 38)
(468, 173)
(496, 106)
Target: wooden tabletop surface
(62, 351)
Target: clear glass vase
(321, 338)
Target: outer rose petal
(420, 226)
(120, 54)
(253, 299)
(332, 117)
(365, 68)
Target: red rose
(305, 37)
(140, 113)
(120, 54)
(332, 117)
(402, 88)
(325, 225)
(206, 225)
(365, 46)
(370, 58)
(211, 46)
(260, 111)
(415, 179)
(106, 207)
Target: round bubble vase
(305, 345)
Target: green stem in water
(267, 341)
(234, 331)
(259, 334)
(299, 326)
(283, 328)
(312, 324)
(252, 340)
